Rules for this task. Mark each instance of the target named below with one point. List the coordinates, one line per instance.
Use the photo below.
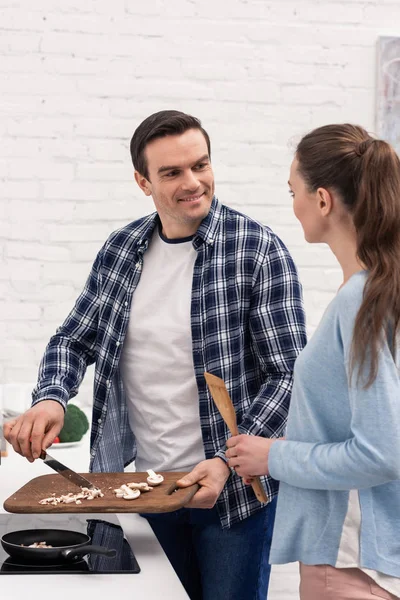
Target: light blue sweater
(339, 437)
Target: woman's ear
(325, 201)
(143, 183)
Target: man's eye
(291, 193)
(172, 174)
(200, 166)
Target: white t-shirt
(349, 547)
(157, 364)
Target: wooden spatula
(224, 404)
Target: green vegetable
(75, 425)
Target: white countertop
(157, 579)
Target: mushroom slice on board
(143, 486)
(126, 493)
(154, 478)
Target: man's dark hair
(159, 125)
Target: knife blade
(66, 472)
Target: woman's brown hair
(365, 173)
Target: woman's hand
(248, 455)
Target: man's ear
(325, 201)
(143, 183)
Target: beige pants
(323, 582)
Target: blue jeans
(214, 563)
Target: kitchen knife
(224, 404)
(66, 472)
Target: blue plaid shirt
(248, 327)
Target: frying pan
(66, 545)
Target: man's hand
(248, 455)
(35, 429)
(211, 475)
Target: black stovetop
(103, 532)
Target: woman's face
(305, 206)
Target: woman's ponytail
(376, 217)
(365, 172)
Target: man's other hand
(211, 475)
(35, 429)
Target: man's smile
(191, 198)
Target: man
(193, 287)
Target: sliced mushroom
(133, 494)
(86, 493)
(154, 478)
(47, 501)
(68, 499)
(143, 486)
(127, 493)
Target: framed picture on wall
(388, 91)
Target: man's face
(181, 181)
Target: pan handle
(71, 553)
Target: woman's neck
(344, 247)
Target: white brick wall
(78, 77)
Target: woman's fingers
(248, 480)
(232, 441)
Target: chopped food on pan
(38, 545)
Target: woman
(339, 465)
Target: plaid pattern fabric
(248, 327)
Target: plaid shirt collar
(205, 234)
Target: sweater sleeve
(370, 454)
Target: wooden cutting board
(163, 498)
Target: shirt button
(99, 421)
(117, 343)
(108, 382)
(125, 303)
(138, 265)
